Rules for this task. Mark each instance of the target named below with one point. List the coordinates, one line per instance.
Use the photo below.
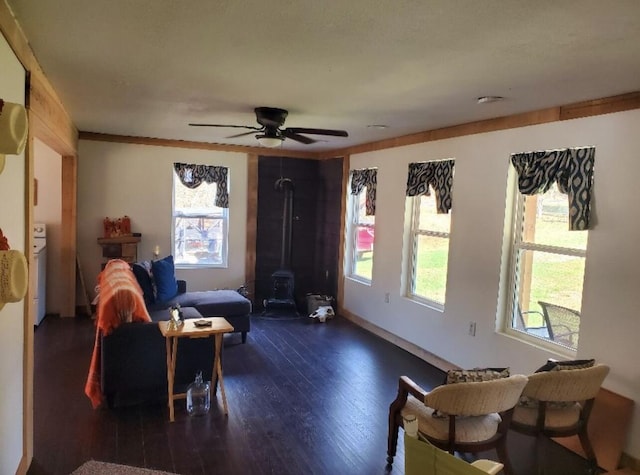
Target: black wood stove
(282, 301)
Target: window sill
(430, 304)
(358, 279)
(539, 343)
(200, 266)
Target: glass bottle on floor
(198, 397)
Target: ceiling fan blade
(298, 138)
(251, 132)
(302, 130)
(224, 125)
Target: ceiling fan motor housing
(271, 117)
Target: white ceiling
(149, 67)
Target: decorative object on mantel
(14, 279)
(13, 130)
(120, 247)
(116, 227)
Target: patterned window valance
(570, 168)
(366, 177)
(192, 176)
(437, 174)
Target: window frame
(223, 215)
(412, 267)
(517, 245)
(354, 225)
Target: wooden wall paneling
(605, 105)
(69, 231)
(252, 224)
(261, 151)
(48, 118)
(346, 167)
(30, 311)
(328, 204)
(500, 123)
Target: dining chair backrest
(477, 398)
(566, 385)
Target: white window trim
(414, 232)
(352, 237)
(225, 231)
(516, 244)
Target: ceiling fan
(271, 133)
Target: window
(548, 260)
(429, 186)
(429, 250)
(200, 228)
(362, 238)
(361, 228)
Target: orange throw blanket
(120, 301)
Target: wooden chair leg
(588, 449)
(395, 419)
(392, 439)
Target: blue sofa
(133, 356)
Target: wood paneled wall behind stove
(316, 225)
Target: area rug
(103, 468)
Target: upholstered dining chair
(559, 403)
(472, 417)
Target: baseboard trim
(398, 341)
(23, 467)
(627, 461)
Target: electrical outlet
(387, 297)
(472, 328)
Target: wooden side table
(219, 326)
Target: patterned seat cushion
(555, 417)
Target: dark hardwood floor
(304, 398)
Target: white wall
(610, 327)
(12, 316)
(47, 169)
(136, 180)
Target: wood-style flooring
(304, 398)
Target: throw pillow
(164, 275)
(144, 280)
(554, 365)
(475, 375)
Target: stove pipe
(286, 185)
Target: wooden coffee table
(219, 326)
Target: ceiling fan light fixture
(269, 141)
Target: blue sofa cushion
(164, 274)
(215, 303)
(141, 272)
